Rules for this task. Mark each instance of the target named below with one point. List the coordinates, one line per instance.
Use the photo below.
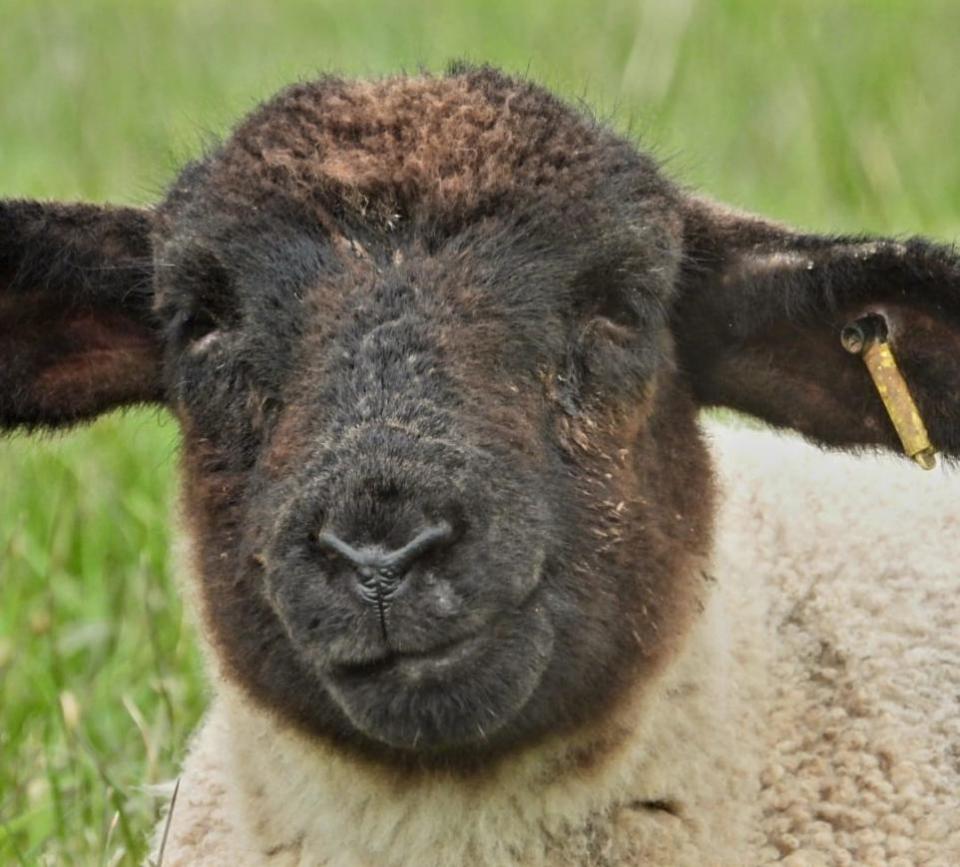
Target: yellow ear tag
(867, 337)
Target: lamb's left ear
(759, 319)
(76, 336)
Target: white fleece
(813, 718)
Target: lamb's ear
(76, 336)
(760, 314)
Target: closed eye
(212, 307)
(199, 328)
(195, 329)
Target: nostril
(330, 541)
(381, 572)
(373, 558)
(428, 539)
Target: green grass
(843, 116)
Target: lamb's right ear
(76, 332)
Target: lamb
(472, 589)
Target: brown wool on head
(456, 143)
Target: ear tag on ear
(867, 337)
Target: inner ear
(99, 354)
(77, 335)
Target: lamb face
(420, 396)
(437, 346)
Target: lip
(436, 661)
(458, 692)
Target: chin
(462, 696)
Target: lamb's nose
(379, 574)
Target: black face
(429, 452)
(406, 546)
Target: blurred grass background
(841, 116)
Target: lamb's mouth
(446, 658)
(437, 661)
(459, 693)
